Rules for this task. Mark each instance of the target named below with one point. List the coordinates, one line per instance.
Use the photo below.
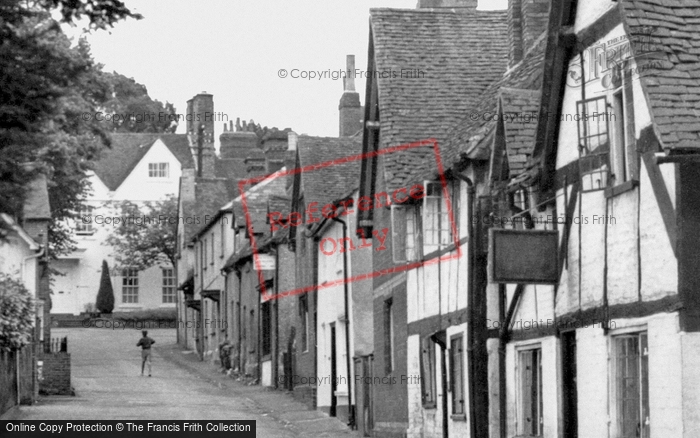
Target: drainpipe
(471, 304)
(351, 411)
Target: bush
(105, 295)
(16, 313)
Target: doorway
(569, 390)
(334, 374)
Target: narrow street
(106, 375)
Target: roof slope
(668, 33)
(473, 136)
(449, 57)
(210, 195)
(520, 110)
(334, 180)
(117, 162)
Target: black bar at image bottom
(124, 428)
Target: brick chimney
(527, 19)
(447, 4)
(349, 106)
(200, 123)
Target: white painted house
(137, 168)
(610, 349)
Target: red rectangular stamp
(399, 196)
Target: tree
(16, 313)
(105, 295)
(47, 86)
(140, 113)
(148, 236)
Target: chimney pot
(292, 139)
(349, 79)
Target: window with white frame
(529, 398)
(389, 365)
(158, 170)
(457, 374)
(168, 285)
(623, 158)
(631, 385)
(425, 227)
(594, 142)
(223, 235)
(427, 362)
(304, 319)
(84, 222)
(130, 286)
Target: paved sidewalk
(278, 405)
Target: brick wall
(287, 314)
(391, 400)
(305, 361)
(55, 374)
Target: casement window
(529, 396)
(252, 331)
(84, 222)
(130, 286)
(437, 227)
(423, 228)
(594, 142)
(404, 230)
(245, 332)
(304, 316)
(223, 236)
(158, 170)
(213, 242)
(631, 385)
(168, 285)
(623, 156)
(427, 362)
(457, 374)
(389, 365)
(196, 260)
(265, 310)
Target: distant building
(137, 168)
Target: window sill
(431, 405)
(619, 189)
(458, 417)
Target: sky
(235, 50)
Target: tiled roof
(281, 204)
(210, 195)
(331, 182)
(668, 33)
(448, 57)
(232, 168)
(117, 162)
(256, 201)
(520, 110)
(473, 136)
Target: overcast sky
(234, 50)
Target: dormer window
(424, 227)
(158, 170)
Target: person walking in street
(145, 343)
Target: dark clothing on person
(145, 343)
